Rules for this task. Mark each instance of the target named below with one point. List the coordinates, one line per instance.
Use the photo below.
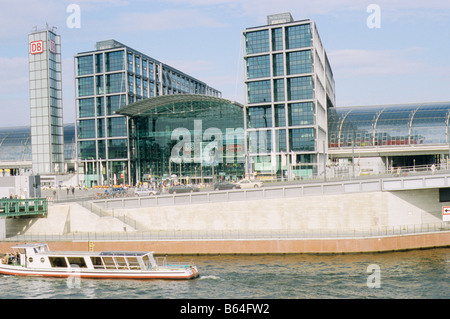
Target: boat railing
(161, 261)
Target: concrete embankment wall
(308, 213)
(291, 246)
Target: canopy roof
(170, 104)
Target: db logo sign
(36, 47)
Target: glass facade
(289, 87)
(47, 135)
(375, 126)
(107, 79)
(16, 149)
(195, 137)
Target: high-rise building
(289, 87)
(46, 108)
(112, 76)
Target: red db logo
(36, 47)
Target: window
(117, 126)
(87, 150)
(57, 262)
(109, 262)
(257, 41)
(99, 84)
(259, 116)
(100, 106)
(280, 136)
(259, 92)
(300, 88)
(137, 63)
(101, 128)
(301, 114)
(99, 63)
(299, 62)
(121, 263)
(278, 90)
(86, 86)
(298, 36)
(86, 107)
(258, 67)
(278, 68)
(130, 62)
(101, 149)
(117, 148)
(97, 262)
(77, 262)
(277, 39)
(259, 141)
(86, 129)
(133, 263)
(115, 83)
(114, 61)
(114, 102)
(302, 139)
(85, 65)
(280, 116)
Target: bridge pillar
(2, 228)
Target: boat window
(133, 263)
(58, 261)
(121, 263)
(97, 262)
(77, 262)
(109, 263)
(146, 261)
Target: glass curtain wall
(192, 141)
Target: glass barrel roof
(15, 143)
(386, 125)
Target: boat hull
(189, 273)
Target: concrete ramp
(82, 220)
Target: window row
(113, 83)
(298, 114)
(107, 62)
(299, 36)
(117, 149)
(115, 127)
(299, 140)
(298, 88)
(298, 62)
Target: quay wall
(273, 246)
(320, 213)
(307, 213)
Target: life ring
(4, 260)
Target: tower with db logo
(46, 109)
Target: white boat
(38, 260)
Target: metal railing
(282, 191)
(160, 235)
(23, 207)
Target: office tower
(289, 87)
(112, 76)
(46, 108)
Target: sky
(393, 54)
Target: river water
(418, 274)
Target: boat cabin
(39, 256)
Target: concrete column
(2, 228)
